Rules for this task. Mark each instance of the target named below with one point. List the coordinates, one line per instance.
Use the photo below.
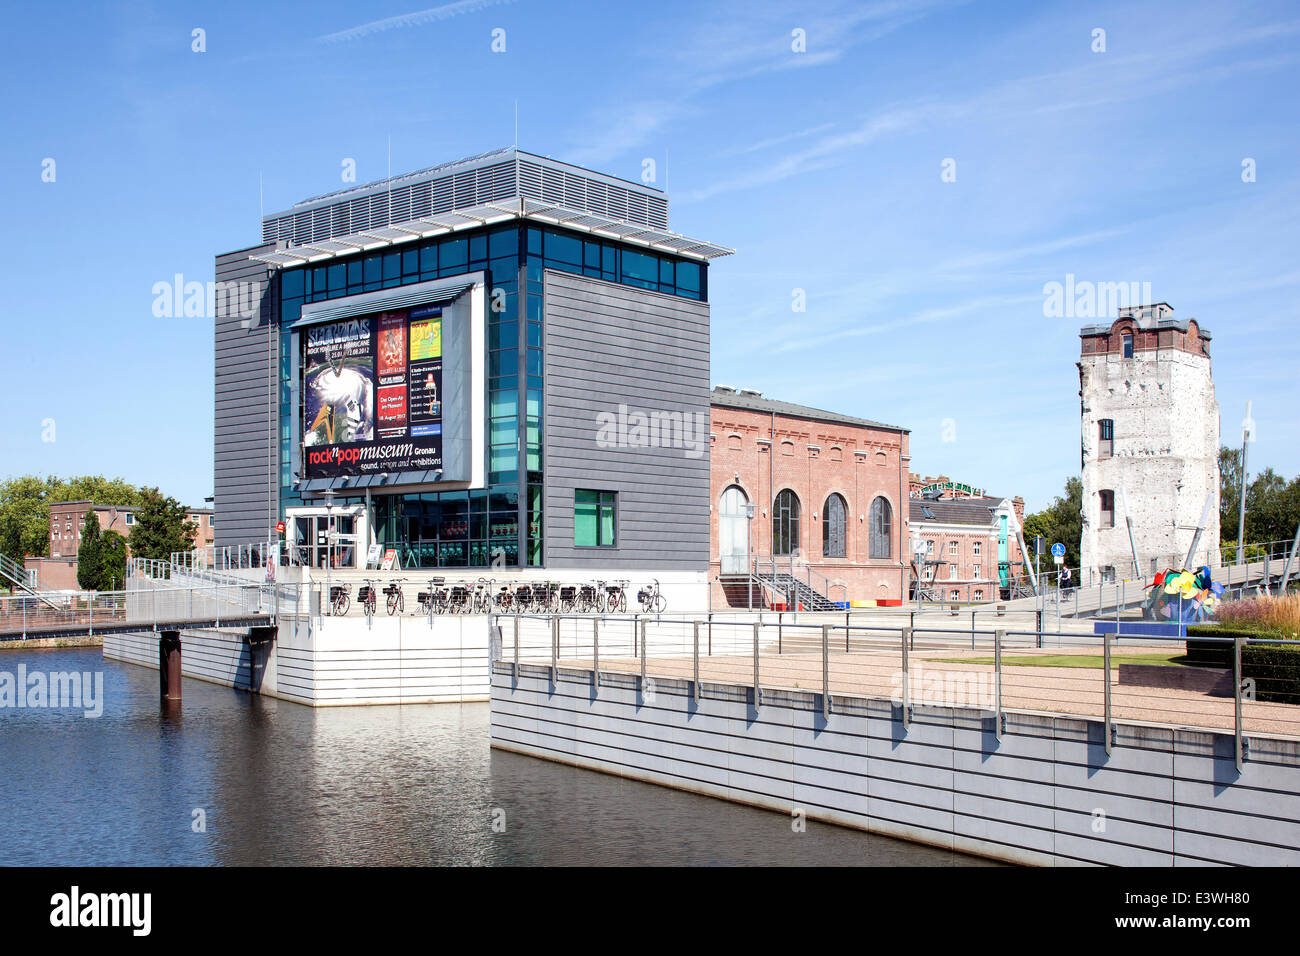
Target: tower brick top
(1145, 328)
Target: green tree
(25, 507)
(1272, 508)
(89, 557)
(112, 562)
(1229, 492)
(1272, 503)
(161, 527)
(1061, 521)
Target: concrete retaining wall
(1045, 794)
(340, 661)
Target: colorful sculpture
(1182, 596)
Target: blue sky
(924, 298)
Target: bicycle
(568, 599)
(480, 600)
(616, 597)
(395, 600)
(367, 599)
(652, 602)
(503, 598)
(433, 599)
(340, 599)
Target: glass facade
(478, 528)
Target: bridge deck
(111, 625)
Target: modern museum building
(496, 363)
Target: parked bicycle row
(487, 596)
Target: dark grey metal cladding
(608, 346)
(245, 451)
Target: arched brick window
(785, 523)
(835, 522)
(882, 528)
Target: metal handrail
(819, 639)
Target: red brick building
(798, 486)
(966, 547)
(67, 521)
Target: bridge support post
(169, 665)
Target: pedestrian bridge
(148, 604)
(1268, 571)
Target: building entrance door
(733, 532)
(324, 537)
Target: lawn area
(1070, 660)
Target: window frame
(1106, 507)
(604, 499)
(787, 509)
(834, 501)
(880, 529)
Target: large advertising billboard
(371, 394)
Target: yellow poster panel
(426, 338)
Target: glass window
(594, 518)
(392, 266)
(504, 242)
(640, 270)
(1107, 508)
(291, 283)
(688, 276)
(785, 523)
(477, 248)
(1128, 345)
(882, 533)
(1105, 438)
(564, 248)
(453, 256)
(835, 516)
(429, 260)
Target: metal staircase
(799, 594)
(16, 577)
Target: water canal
(277, 783)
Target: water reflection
(282, 784)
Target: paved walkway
(937, 679)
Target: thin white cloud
(776, 140)
(928, 316)
(1118, 80)
(736, 45)
(419, 18)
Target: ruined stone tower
(1150, 434)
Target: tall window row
(785, 526)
